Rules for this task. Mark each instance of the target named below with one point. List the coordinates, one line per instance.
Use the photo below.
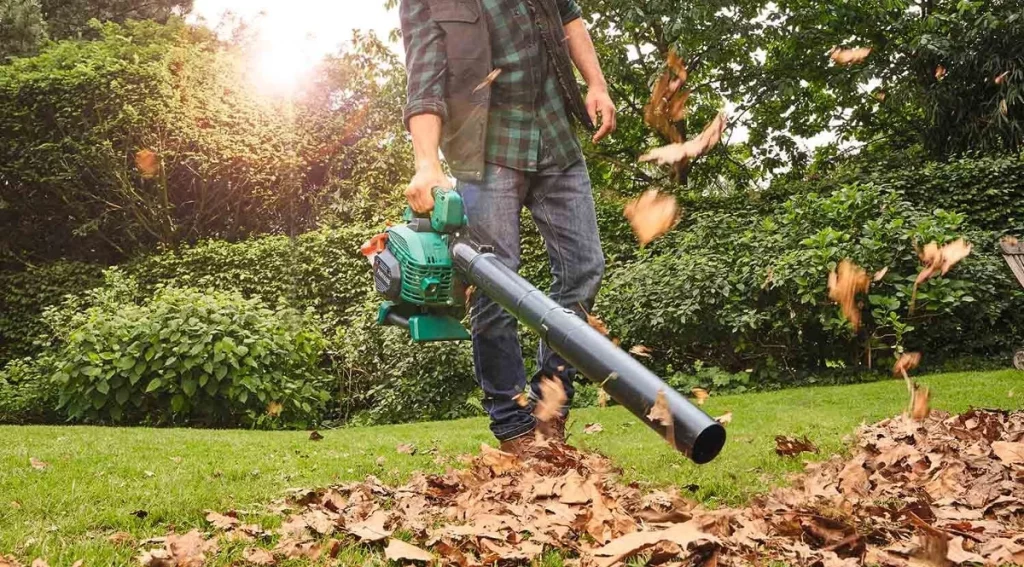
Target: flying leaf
(406, 448)
(843, 287)
(790, 446)
(1001, 78)
(596, 322)
(692, 149)
(907, 362)
(148, 163)
(552, 400)
(641, 350)
(1003, 108)
(258, 556)
(953, 253)
(700, 394)
(593, 428)
(651, 215)
(398, 550)
(659, 411)
(725, 418)
(488, 80)
(37, 464)
(849, 56)
(919, 408)
(602, 398)
(274, 409)
(940, 72)
(880, 274)
(315, 436)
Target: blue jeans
(562, 205)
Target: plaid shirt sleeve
(569, 10)
(425, 61)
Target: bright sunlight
(295, 34)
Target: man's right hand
(423, 182)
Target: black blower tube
(628, 382)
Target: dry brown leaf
(1003, 108)
(640, 350)
(17, 505)
(659, 411)
(220, 521)
(628, 545)
(940, 72)
(725, 418)
(274, 409)
(691, 149)
(372, 528)
(1001, 78)
(258, 556)
(78, 563)
(469, 293)
(596, 322)
(602, 398)
(920, 408)
(39, 562)
(292, 548)
(934, 547)
(522, 399)
(148, 163)
(398, 550)
(37, 464)
(651, 215)
(9, 561)
(700, 395)
(121, 538)
(880, 274)
(592, 428)
(907, 362)
(315, 436)
(552, 400)
(406, 448)
(849, 56)
(488, 80)
(953, 253)
(790, 446)
(1009, 452)
(843, 287)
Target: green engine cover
(430, 301)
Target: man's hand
(599, 103)
(423, 182)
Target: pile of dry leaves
(942, 491)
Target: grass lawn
(98, 477)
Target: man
(492, 86)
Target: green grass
(97, 477)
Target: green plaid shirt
(528, 122)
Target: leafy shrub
(386, 378)
(28, 393)
(321, 270)
(185, 356)
(740, 290)
(25, 294)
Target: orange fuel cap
(375, 245)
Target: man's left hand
(599, 104)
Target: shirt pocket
(466, 37)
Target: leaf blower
(423, 269)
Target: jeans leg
(492, 207)
(562, 205)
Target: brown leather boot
(520, 446)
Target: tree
(69, 18)
(22, 29)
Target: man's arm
(584, 56)
(425, 110)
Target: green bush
(184, 356)
(744, 291)
(25, 294)
(384, 377)
(28, 392)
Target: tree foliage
(22, 28)
(69, 19)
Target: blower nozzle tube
(691, 431)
